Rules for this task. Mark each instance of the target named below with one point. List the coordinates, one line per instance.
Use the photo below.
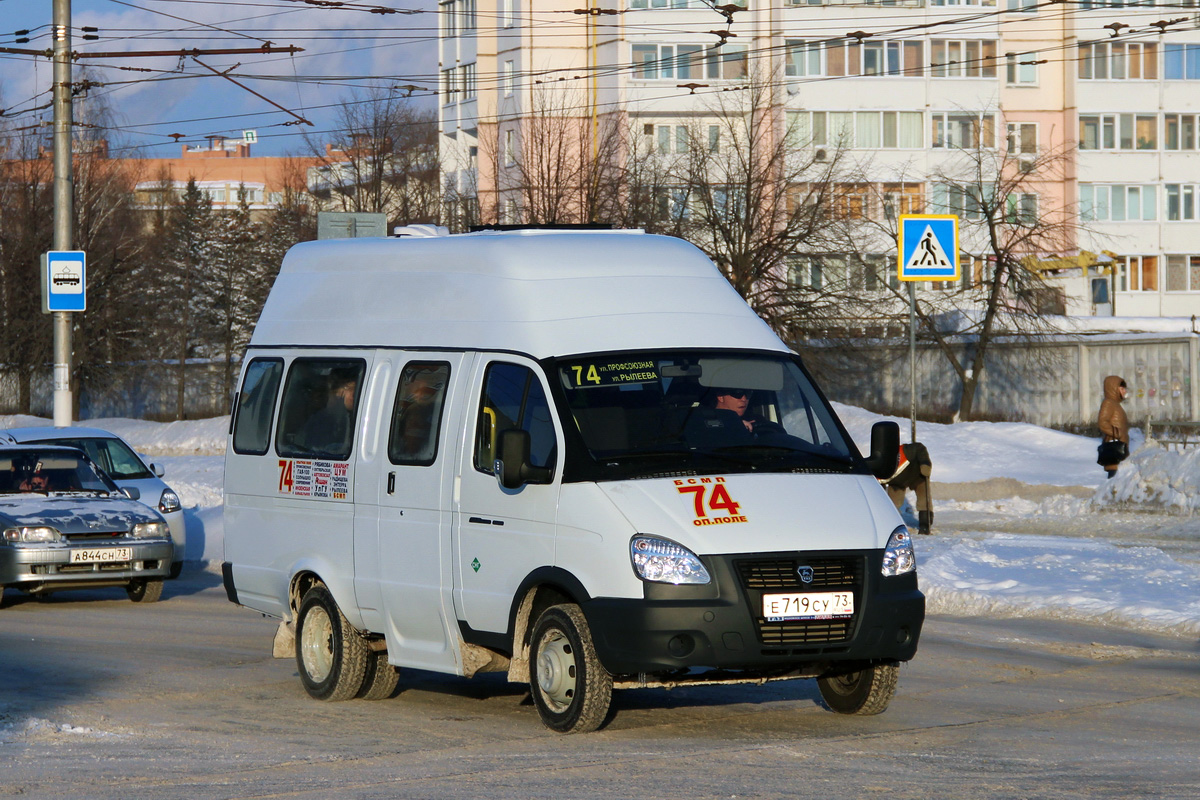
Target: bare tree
(384, 159)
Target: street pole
(912, 356)
(63, 201)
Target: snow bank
(192, 437)
(1052, 577)
(1157, 477)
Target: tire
(570, 687)
(381, 678)
(865, 692)
(1, 595)
(330, 655)
(145, 590)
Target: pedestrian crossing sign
(929, 247)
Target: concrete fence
(1050, 382)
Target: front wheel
(865, 692)
(145, 590)
(330, 655)
(571, 689)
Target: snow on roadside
(191, 437)
(1157, 477)
(1085, 580)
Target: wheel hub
(556, 670)
(316, 645)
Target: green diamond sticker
(475, 565)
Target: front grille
(97, 536)
(767, 575)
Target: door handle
(391, 483)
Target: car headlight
(149, 530)
(664, 561)
(898, 556)
(32, 535)
(168, 502)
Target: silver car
(127, 469)
(65, 525)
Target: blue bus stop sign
(929, 247)
(64, 281)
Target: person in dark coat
(913, 468)
(1114, 425)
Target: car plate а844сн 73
(808, 605)
(101, 555)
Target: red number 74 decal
(718, 498)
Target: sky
(1126, 556)
(347, 51)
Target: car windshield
(703, 412)
(49, 472)
(111, 455)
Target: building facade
(1100, 102)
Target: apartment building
(901, 87)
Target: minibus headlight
(663, 561)
(898, 556)
(149, 530)
(31, 535)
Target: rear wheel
(145, 590)
(865, 692)
(331, 656)
(381, 678)
(571, 689)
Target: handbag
(1112, 452)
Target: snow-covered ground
(1078, 552)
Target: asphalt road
(102, 698)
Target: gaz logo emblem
(805, 573)
(711, 495)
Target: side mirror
(512, 466)
(885, 449)
(157, 469)
(132, 492)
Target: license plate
(811, 605)
(101, 555)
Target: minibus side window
(252, 429)
(513, 397)
(417, 415)
(320, 404)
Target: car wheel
(571, 689)
(176, 570)
(865, 692)
(381, 679)
(331, 656)
(1, 595)
(145, 590)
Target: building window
(508, 13)
(510, 148)
(962, 2)
(1137, 273)
(1022, 5)
(969, 58)
(449, 86)
(804, 59)
(966, 131)
(874, 129)
(684, 61)
(466, 81)
(675, 4)
(1117, 202)
(1021, 208)
(1183, 273)
(714, 139)
(875, 59)
(1179, 131)
(1022, 138)
(1181, 201)
(1021, 69)
(510, 80)
(449, 18)
(1118, 61)
(966, 200)
(1181, 62)
(1118, 132)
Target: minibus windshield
(643, 413)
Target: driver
(737, 401)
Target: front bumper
(50, 564)
(719, 625)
